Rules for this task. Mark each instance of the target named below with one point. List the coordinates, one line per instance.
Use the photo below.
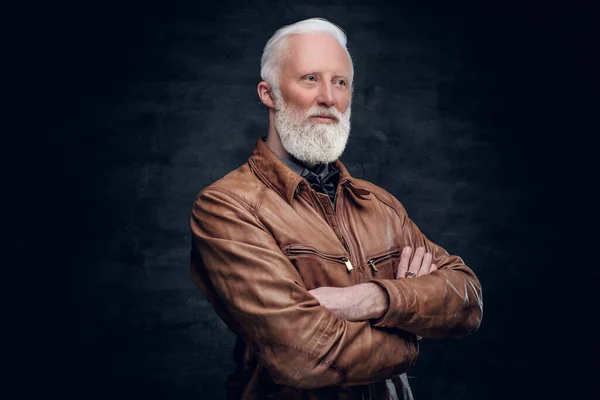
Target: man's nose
(325, 98)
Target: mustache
(315, 111)
(324, 112)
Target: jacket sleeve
(446, 303)
(258, 293)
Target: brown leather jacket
(262, 237)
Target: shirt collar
(294, 166)
(284, 179)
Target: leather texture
(262, 237)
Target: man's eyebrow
(335, 74)
(308, 72)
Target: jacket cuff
(396, 313)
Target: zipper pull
(348, 264)
(372, 264)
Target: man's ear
(266, 94)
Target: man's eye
(341, 82)
(311, 78)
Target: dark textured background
(476, 115)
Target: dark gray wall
(472, 114)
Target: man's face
(312, 114)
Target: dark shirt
(322, 177)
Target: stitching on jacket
(315, 345)
(384, 201)
(389, 205)
(240, 200)
(230, 193)
(320, 206)
(261, 196)
(329, 364)
(292, 189)
(263, 178)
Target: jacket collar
(279, 177)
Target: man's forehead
(316, 52)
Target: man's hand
(368, 300)
(420, 265)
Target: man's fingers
(421, 263)
(417, 260)
(404, 262)
(426, 265)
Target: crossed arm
(444, 299)
(368, 301)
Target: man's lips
(325, 117)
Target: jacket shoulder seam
(228, 192)
(387, 204)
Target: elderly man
(324, 279)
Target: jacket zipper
(316, 200)
(376, 260)
(334, 216)
(304, 249)
(341, 224)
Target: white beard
(311, 142)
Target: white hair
(270, 63)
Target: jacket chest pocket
(383, 265)
(318, 268)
